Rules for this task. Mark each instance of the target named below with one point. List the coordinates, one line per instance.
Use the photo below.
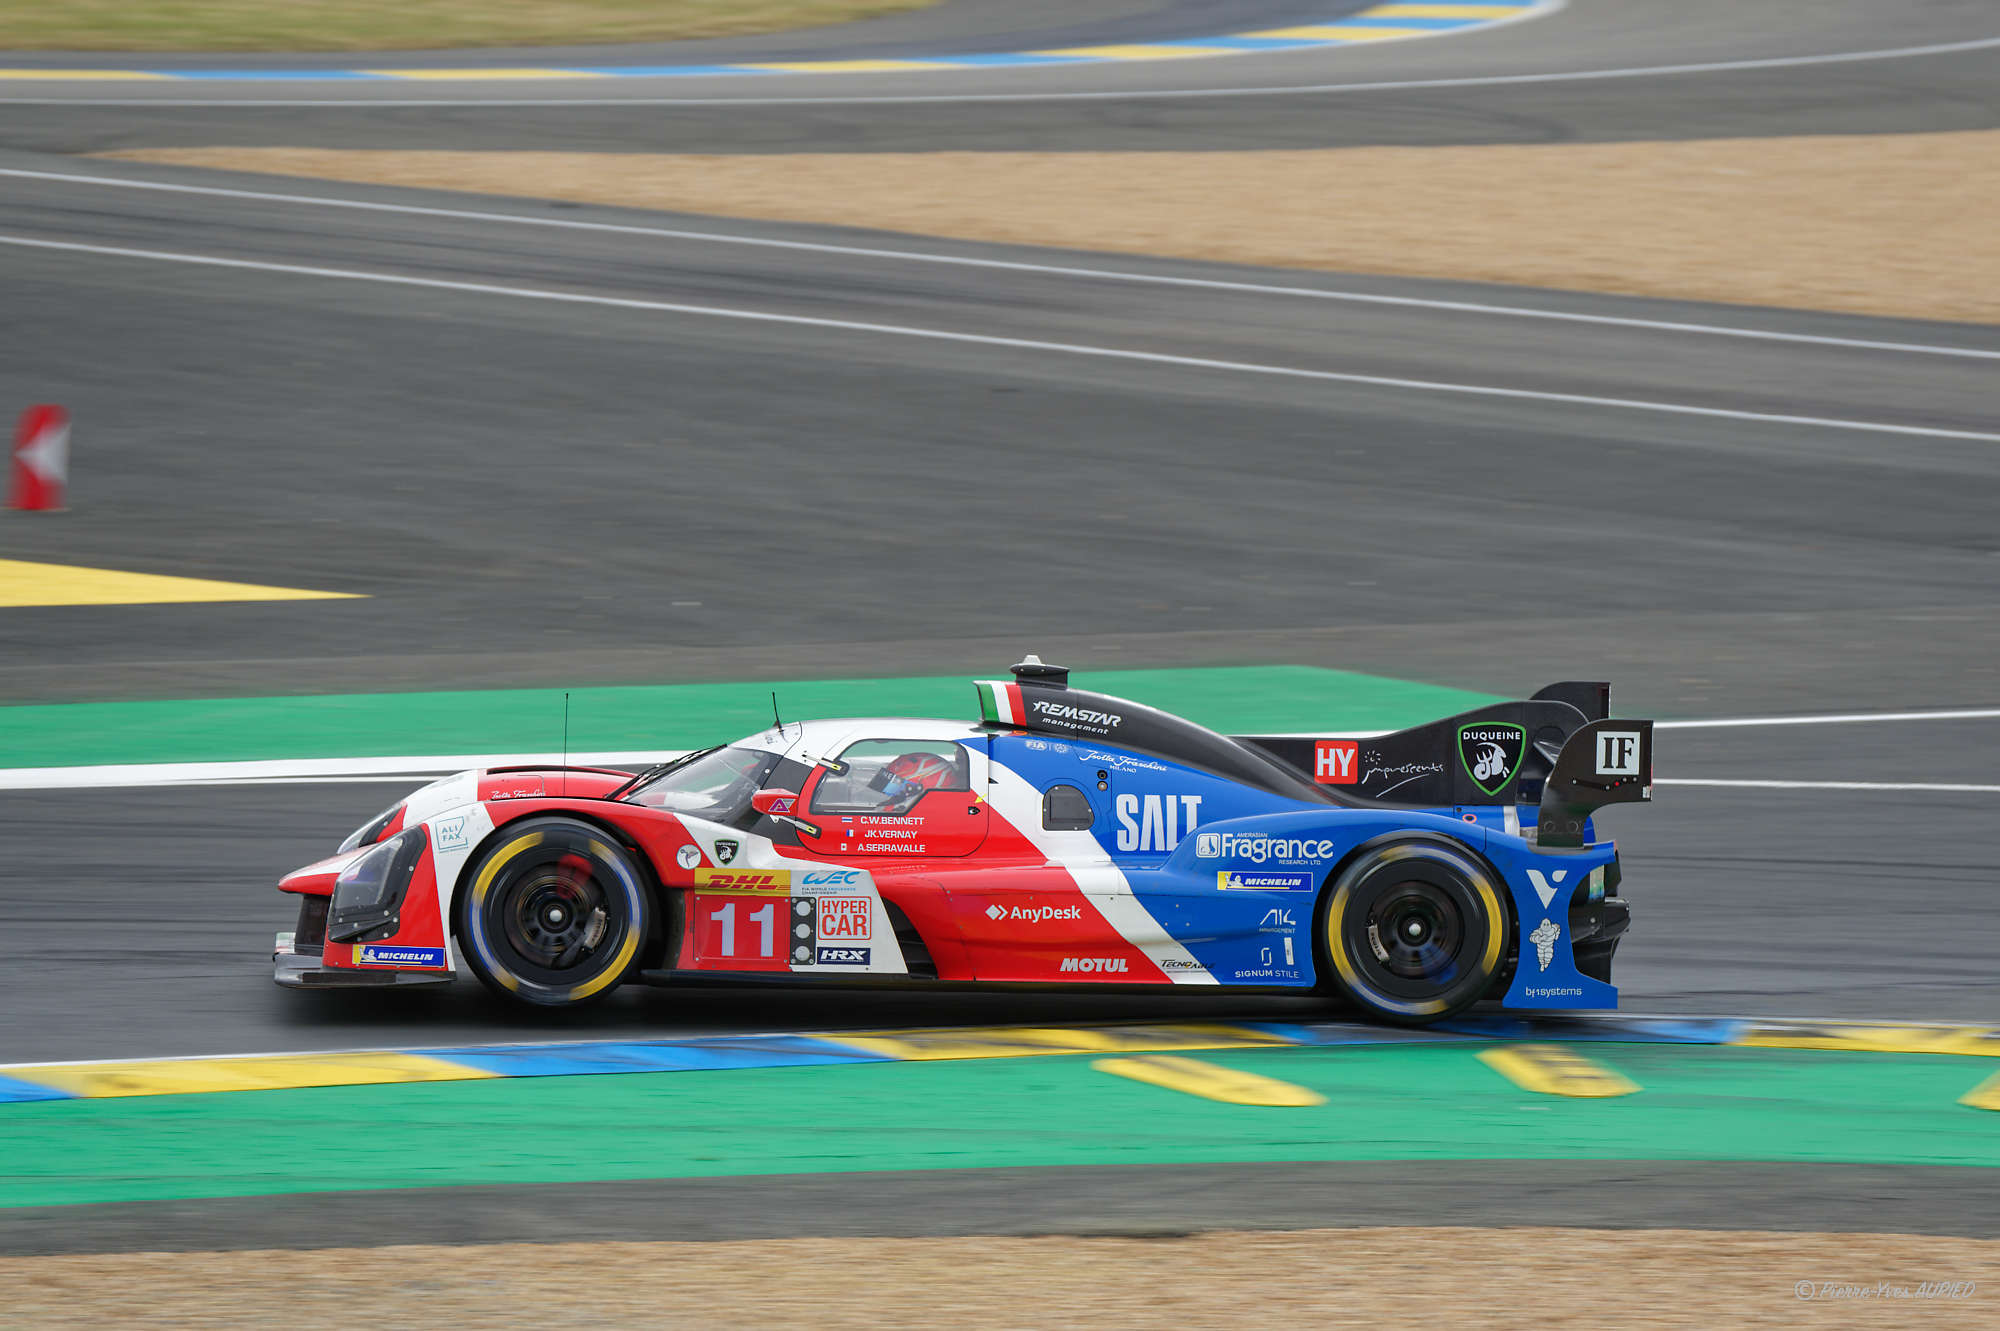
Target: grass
(387, 25)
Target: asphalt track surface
(525, 487)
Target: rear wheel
(1414, 929)
(554, 913)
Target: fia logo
(1156, 822)
(1618, 753)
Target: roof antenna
(564, 788)
(774, 713)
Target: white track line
(270, 771)
(1947, 787)
(1140, 94)
(1839, 719)
(290, 771)
(1003, 265)
(1012, 343)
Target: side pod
(1606, 762)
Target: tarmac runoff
(1620, 1089)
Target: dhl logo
(753, 882)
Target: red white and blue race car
(1066, 838)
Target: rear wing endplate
(1605, 762)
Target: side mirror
(774, 803)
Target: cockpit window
(888, 776)
(715, 785)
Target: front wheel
(554, 914)
(1415, 929)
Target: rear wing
(1506, 753)
(1606, 762)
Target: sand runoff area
(1532, 1279)
(1893, 224)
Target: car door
(887, 798)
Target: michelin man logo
(1544, 939)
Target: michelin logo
(1257, 847)
(1544, 939)
(1228, 880)
(430, 957)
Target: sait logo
(1491, 754)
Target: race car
(1064, 838)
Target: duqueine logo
(1491, 754)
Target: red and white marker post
(41, 460)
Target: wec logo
(1099, 965)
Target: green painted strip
(1382, 1103)
(667, 716)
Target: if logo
(1618, 753)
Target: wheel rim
(1416, 932)
(554, 916)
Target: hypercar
(1063, 838)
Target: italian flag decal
(1000, 703)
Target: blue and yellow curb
(299, 1071)
(1384, 22)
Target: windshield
(716, 785)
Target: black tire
(554, 913)
(1413, 929)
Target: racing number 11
(765, 917)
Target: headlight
(368, 832)
(368, 895)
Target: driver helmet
(907, 776)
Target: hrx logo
(1099, 965)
